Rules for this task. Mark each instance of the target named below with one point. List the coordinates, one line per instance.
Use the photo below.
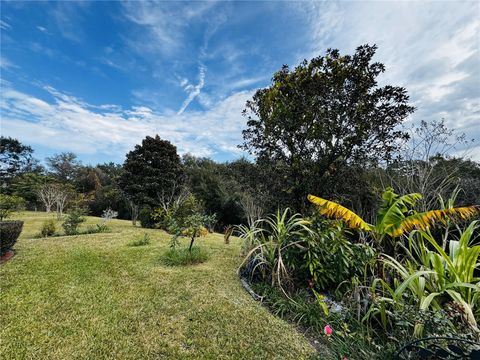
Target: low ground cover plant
(185, 256)
(140, 241)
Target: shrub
(271, 255)
(144, 240)
(102, 228)
(193, 226)
(73, 220)
(109, 214)
(330, 258)
(48, 228)
(182, 257)
(146, 218)
(9, 233)
(9, 204)
(98, 228)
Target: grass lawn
(95, 297)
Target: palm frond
(424, 220)
(333, 210)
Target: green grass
(94, 297)
(183, 257)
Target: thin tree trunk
(191, 241)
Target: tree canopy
(325, 114)
(151, 170)
(15, 159)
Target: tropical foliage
(396, 215)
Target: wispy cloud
(42, 29)
(165, 23)
(4, 25)
(68, 123)
(193, 90)
(67, 16)
(6, 64)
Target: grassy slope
(94, 297)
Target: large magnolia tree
(322, 115)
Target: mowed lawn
(94, 297)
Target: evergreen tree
(151, 170)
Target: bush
(48, 228)
(102, 228)
(9, 233)
(182, 257)
(8, 204)
(330, 258)
(73, 220)
(144, 240)
(98, 228)
(146, 218)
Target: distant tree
(48, 195)
(27, 186)
(216, 188)
(425, 164)
(63, 166)
(89, 179)
(15, 159)
(151, 170)
(322, 115)
(9, 204)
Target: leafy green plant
(146, 218)
(271, 244)
(48, 228)
(430, 278)
(248, 235)
(396, 215)
(9, 204)
(72, 221)
(141, 241)
(193, 226)
(185, 256)
(330, 259)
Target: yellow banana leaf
(422, 221)
(333, 210)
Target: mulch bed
(7, 256)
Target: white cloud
(165, 23)
(430, 48)
(192, 90)
(68, 123)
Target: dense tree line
(325, 127)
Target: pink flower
(328, 330)
(345, 358)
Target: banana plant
(396, 216)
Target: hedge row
(9, 233)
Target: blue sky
(97, 77)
